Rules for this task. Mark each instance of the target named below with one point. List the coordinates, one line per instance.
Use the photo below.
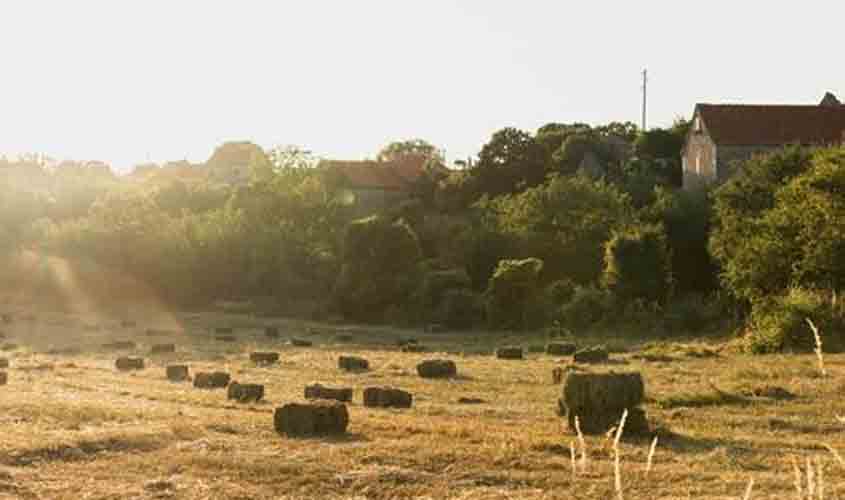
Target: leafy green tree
(399, 150)
(510, 162)
(637, 264)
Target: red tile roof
(770, 125)
(390, 176)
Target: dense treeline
(570, 228)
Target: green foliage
(779, 324)
(378, 268)
(399, 150)
(512, 289)
(779, 223)
(691, 314)
(565, 222)
(436, 283)
(637, 265)
(460, 308)
(510, 162)
(588, 306)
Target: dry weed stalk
(650, 459)
(835, 454)
(811, 483)
(572, 456)
(818, 348)
(820, 478)
(582, 443)
(748, 490)
(799, 489)
(617, 472)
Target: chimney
(830, 100)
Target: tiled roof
(391, 176)
(749, 125)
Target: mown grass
(83, 430)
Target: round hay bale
(244, 393)
(177, 373)
(318, 391)
(353, 364)
(318, 418)
(437, 368)
(126, 363)
(301, 343)
(387, 397)
(163, 349)
(4, 363)
(511, 352)
(264, 358)
(598, 399)
(212, 380)
(561, 348)
(595, 354)
(4, 378)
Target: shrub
(637, 264)
(378, 268)
(437, 283)
(779, 324)
(561, 291)
(460, 309)
(588, 306)
(691, 314)
(512, 289)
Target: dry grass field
(74, 427)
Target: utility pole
(645, 97)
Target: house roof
(747, 125)
(389, 176)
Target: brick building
(724, 135)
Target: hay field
(73, 427)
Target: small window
(698, 163)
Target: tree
(399, 150)
(510, 162)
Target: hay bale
(224, 330)
(402, 342)
(156, 332)
(318, 391)
(435, 328)
(271, 332)
(244, 393)
(595, 354)
(437, 368)
(163, 349)
(264, 358)
(125, 363)
(353, 363)
(120, 345)
(9, 346)
(128, 323)
(471, 401)
(4, 363)
(561, 348)
(511, 352)
(177, 373)
(599, 399)
(343, 337)
(7, 319)
(317, 418)
(212, 380)
(387, 397)
(301, 342)
(225, 338)
(4, 378)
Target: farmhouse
(722, 135)
(371, 185)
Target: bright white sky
(125, 81)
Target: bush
(460, 309)
(512, 289)
(378, 268)
(780, 324)
(588, 306)
(437, 283)
(691, 314)
(637, 264)
(560, 292)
